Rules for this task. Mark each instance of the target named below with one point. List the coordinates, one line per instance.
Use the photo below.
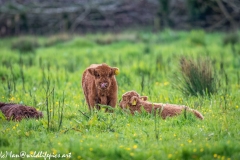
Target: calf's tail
(198, 114)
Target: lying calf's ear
(133, 100)
(144, 98)
(115, 70)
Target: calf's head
(131, 98)
(30, 112)
(104, 75)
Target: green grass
(148, 63)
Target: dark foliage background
(50, 16)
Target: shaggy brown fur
(134, 102)
(99, 85)
(17, 111)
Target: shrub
(197, 37)
(25, 45)
(197, 77)
(109, 39)
(57, 39)
(231, 38)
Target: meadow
(45, 72)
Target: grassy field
(45, 72)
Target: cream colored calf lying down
(134, 102)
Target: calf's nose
(104, 85)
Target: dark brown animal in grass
(100, 86)
(17, 111)
(133, 101)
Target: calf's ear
(134, 100)
(115, 71)
(92, 71)
(144, 98)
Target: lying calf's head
(104, 75)
(18, 112)
(131, 98)
(30, 112)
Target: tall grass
(197, 77)
(53, 105)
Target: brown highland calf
(100, 86)
(134, 102)
(17, 111)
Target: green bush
(231, 38)
(197, 37)
(25, 45)
(57, 39)
(109, 39)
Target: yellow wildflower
(169, 155)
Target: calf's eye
(97, 75)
